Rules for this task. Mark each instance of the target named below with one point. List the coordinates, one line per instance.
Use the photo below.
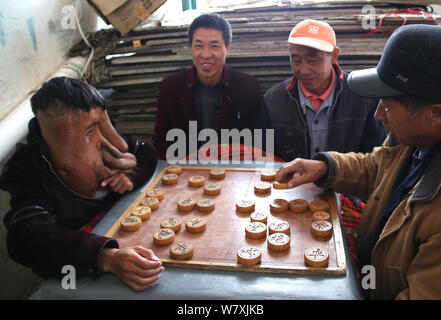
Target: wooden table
(180, 283)
(217, 246)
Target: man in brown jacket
(400, 230)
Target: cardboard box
(124, 15)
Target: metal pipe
(14, 127)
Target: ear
(436, 115)
(228, 48)
(334, 55)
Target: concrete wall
(35, 36)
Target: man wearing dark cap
(315, 110)
(400, 230)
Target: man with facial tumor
(73, 168)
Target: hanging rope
(103, 43)
(398, 14)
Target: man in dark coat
(74, 167)
(211, 93)
(315, 110)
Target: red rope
(396, 13)
(233, 152)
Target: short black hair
(66, 94)
(211, 21)
(412, 103)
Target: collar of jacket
(431, 180)
(392, 142)
(193, 80)
(336, 67)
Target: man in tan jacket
(400, 230)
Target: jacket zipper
(303, 121)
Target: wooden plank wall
(259, 48)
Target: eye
(312, 61)
(91, 131)
(294, 59)
(386, 108)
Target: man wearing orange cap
(315, 110)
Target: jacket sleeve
(35, 240)
(350, 173)
(146, 160)
(35, 237)
(424, 272)
(162, 123)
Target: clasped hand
(115, 156)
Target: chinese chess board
(218, 245)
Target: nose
(379, 113)
(205, 52)
(300, 69)
(99, 139)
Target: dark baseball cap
(410, 65)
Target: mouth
(206, 66)
(307, 80)
(389, 133)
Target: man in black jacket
(73, 167)
(210, 93)
(315, 110)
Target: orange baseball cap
(315, 34)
